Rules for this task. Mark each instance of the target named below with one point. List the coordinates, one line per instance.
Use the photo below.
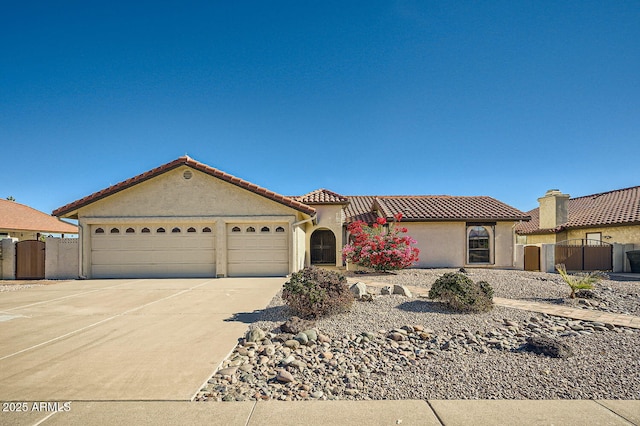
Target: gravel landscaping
(17, 286)
(621, 297)
(397, 347)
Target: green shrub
(486, 289)
(460, 293)
(315, 292)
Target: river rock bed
(396, 347)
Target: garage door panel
(273, 244)
(236, 256)
(236, 242)
(153, 254)
(137, 257)
(154, 271)
(259, 253)
(258, 269)
(265, 242)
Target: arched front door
(323, 247)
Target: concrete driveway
(100, 340)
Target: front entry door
(323, 248)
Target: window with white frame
(594, 238)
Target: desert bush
(486, 288)
(462, 294)
(315, 292)
(581, 281)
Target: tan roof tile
(617, 207)
(24, 218)
(184, 161)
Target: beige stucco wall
(540, 239)
(504, 244)
(444, 244)
(171, 195)
(441, 244)
(618, 234)
(329, 217)
(61, 258)
(300, 250)
(202, 198)
(8, 262)
(553, 209)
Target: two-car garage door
(166, 250)
(153, 251)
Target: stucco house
(188, 219)
(610, 217)
(21, 222)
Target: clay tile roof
(184, 161)
(618, 207)
(322, 196)
(24, 218)
(421, 208)
(360, 208)
(445, 207)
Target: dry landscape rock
(399, 347)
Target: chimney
(553, 209)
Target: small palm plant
(579, 281)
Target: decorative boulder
(295, 325)
(255, 335)
(359, 290)
(548, 346)
(401, 290)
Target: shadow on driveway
(275, 313)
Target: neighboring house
(25, 223)
(185, 218)
(610, 217)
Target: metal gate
(585, 255)
(323, 247)
(30, 260)
(532, 258)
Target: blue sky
(499, 98)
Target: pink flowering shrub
(380, 247)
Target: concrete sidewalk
(411, 412)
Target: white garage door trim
(159, 250)
(257, 249)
